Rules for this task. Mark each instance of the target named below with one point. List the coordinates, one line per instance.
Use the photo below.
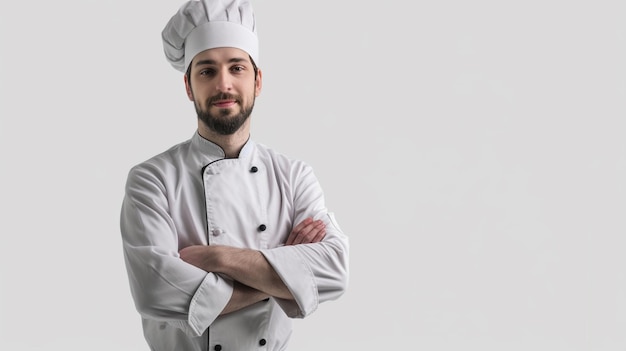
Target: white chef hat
(205, 24)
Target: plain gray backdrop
(474, 152)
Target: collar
(210, 151)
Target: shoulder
(159, 164)
(280, 160)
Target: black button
(262, 227)
(262, 342)
(217, 347)
(254, 169)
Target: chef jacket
(192, 195)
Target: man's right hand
(307, 232)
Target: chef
(225, 240)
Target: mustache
(223, 96)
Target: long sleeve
(162, 285)
(318, 272)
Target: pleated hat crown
(207, 24)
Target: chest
(235, 203)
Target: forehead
(221, 55)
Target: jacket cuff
(299, 279)
(208, 302)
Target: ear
(258, 84)
(188, 88)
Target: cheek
(201, 103)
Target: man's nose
(224, 83)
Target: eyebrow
(213, 62)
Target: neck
(231, 144)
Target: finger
(302, 224)
(314, 236)
(320, 236)
(299, 237)
(307, 234)
(297, 229)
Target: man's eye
(207, 72)
(238, 69)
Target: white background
(474, 152)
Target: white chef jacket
(192, 195)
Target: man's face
(223, 87)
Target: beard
(222, 122)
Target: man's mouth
(224, 103)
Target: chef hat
(207, 24)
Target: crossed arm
(254, 277)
